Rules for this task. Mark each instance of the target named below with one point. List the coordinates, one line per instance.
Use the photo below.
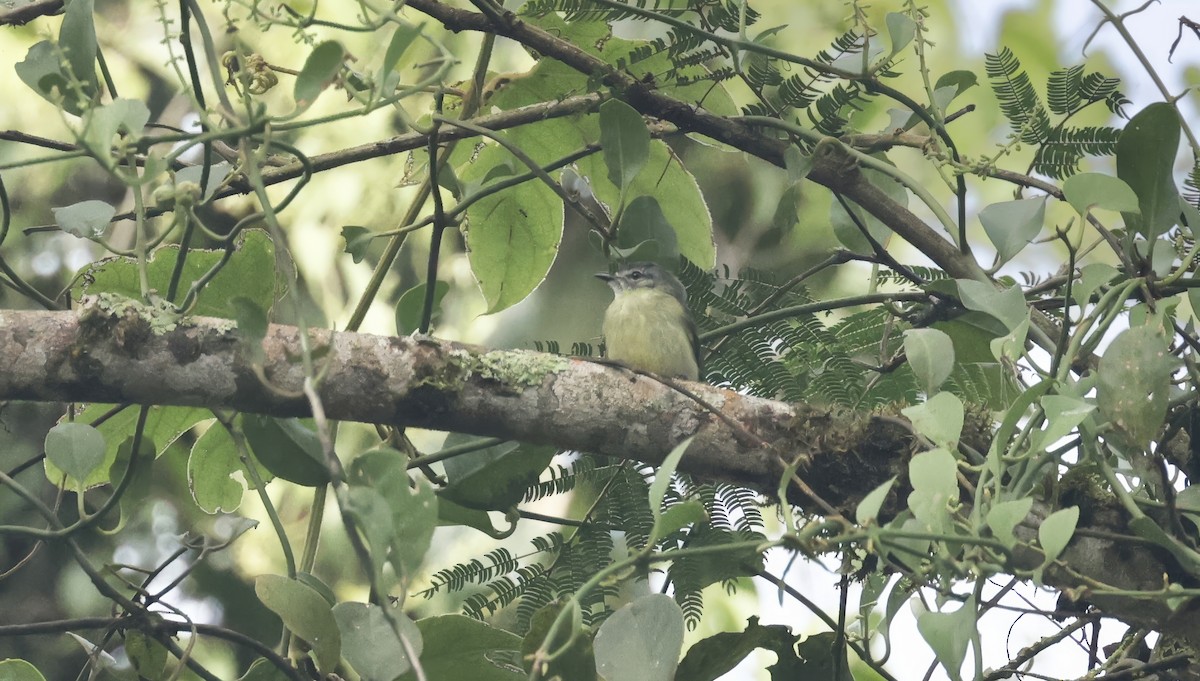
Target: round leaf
(76, 449)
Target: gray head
(644, 275)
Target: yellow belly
(648, 330)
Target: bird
(647, 326)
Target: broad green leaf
(319, 71)
(213, 471)
(86, 219)
(306, 613)
(1085, 191)
(217, 173)
(901, 29)
(458, 647)
(930, 353)
(286, 448)
(48, 67)
(1007, 305)
(373, 520)
(414, 514)
(75, 448)
(940, 418)
(797, 163)
(1004, 517)
(1146, 152)
(573, 657)
(710, 658)
(1011, 225)
(14, 669)
(250, 272)
(512, 237)
(645, 233)
(1063, 414)
(625, 141)
(868, 508)
(1134, 383)
(402, 38)
(413, 506)
(678, 516)
(252, 326)
(1056, 530)
(933, 475)
(658, 488)
(494, 478)
(77, 40)
(370, 644)
(641, 641)
(846, 229)
(164, 425)
(121, 116)
(411, 305)
(147, 655)
(1091, 278)
(948, 634)
(358, 240)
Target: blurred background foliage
(742, 194)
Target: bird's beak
(604, 276)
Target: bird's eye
(635, 275)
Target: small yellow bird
(647, 326)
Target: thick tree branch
(108, 352)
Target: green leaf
(164, 425)
(641, 641)
(86, 219)
(413, 506)
(933, 475)
(19, 670)
(948, 634)
(1004, 517)
(217, 173)
(77, 39)
(940, 418)
(319, 71)
(1146, 152)
(121, 116)
(249, 272)
(458, 647)
(75, 448)
(797, 163)
(213, 472)
(147, 655)
(1091, 278)
(658, 488)
(1056, 530)
(1063, 414)
(358, 240)
(306, 613)
(645, 233)
(930, 353)
(1007, 305)
(1085, 191)
(1134, 383)
(573, 657)
(625, 140)
(712, 657)
(846, 229)
(868, 508)
(512, 237)
(286, 448)
(412, 303)
(252, 325)
(370, 644)
(494, 478)
(402, 38)
(1011, 225)
(901, 29)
